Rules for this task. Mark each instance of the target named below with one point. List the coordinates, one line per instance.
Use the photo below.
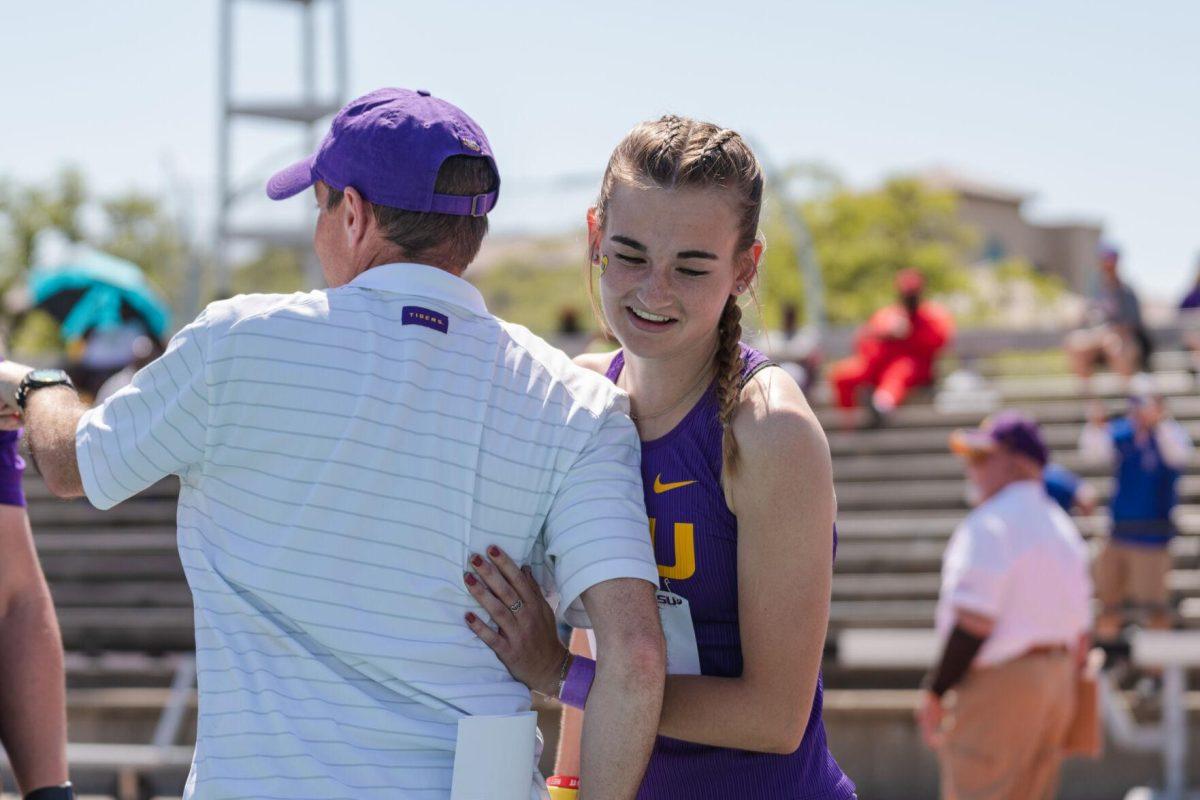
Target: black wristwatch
(40, 379)
(63, 792)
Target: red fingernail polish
(493, 551)
(477, 560)
(470, 579)
(470, 617)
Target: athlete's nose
(655, 293)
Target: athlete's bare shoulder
(774, 421)
(775, 427)
(596, 362)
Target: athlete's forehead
(679, 223)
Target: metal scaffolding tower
(306, 112)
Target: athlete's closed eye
(631, 259)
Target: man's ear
(357, 218)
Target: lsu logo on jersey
(685, 552)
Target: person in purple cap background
(344, 456)
(1013, 613)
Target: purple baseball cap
(1012, 429)
(389, 145)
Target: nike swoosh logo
(660, 487)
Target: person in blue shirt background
(1148, 451)
(1069, 490)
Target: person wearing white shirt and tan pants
(1013, 613)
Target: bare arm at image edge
(626, 697)
(33, 723)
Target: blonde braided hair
(728, 362)
(677, 152)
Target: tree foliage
(133, 226)
(862, 239)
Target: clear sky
(1091, 105)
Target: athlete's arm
(625, 699)
(33, 724)
(783, 496)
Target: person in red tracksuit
(895, 350)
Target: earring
(741, 287)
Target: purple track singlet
(695, 544)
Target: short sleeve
(12, 468)
(1062, 485)
(977, 568)
(597, 529)
(154, 427)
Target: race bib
(683, 655)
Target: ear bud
(603, 264)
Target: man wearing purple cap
(1013, 613)
(345, 455)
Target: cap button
(423, 92)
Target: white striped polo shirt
(341, 453)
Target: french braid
(728, 363)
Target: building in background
(1066, 249)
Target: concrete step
(1054, 362)
(128, 593)
(926, 415)
(36, 491)
(151, 630)
(908, 557)
(132, 539)
(925, 585)
(96, 568)
(1061, 438)
(949, 493)
(938, 524)
(80, 513)
(890, 467)
(1016, 389)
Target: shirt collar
(423, 280)
(1019, 487)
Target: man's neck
(397, 258)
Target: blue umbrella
(96, 291)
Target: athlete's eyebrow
(634, 243)
(696, 254)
